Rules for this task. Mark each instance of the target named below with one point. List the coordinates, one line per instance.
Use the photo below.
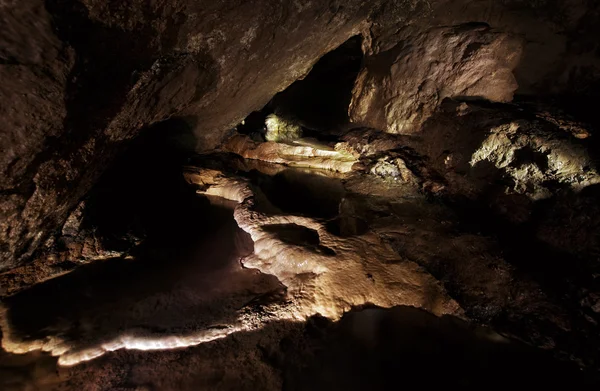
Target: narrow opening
(319, 102)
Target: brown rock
(400, 88)
(80, 79)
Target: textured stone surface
(560, 49)
(474, 210)
(81, 78)
(302, 153)
(541, 48)
(398, 89)
(507, 154)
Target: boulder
(400, 88)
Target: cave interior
(299, 196)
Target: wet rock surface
(377, 344)
(301, 243)
(420, 208)
(81, 78)
(90, 75)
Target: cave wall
(400, 88)
(82, 78)
(416, 56)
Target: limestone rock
(506, 151)
(559, 37)
(79, 79)
(280, 129)
(302, 153)
(393, 169)
(400, 88)
(318, 277)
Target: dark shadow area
(169, 290)
(368, 349)
(254, 124)
(298, 192)
(346, 226)
(527, 155)
(379, 349)
(564, 264)
(185, 274)
(143, 194)
(320, 101)
(294, 234)
(298, 235)
(550, 244)
(582, 108)
(97, 87)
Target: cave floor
(213, 312)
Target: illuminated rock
(298, 154)
(280, 129)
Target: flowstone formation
(299, 195)
(83, 78)
(325, 274)
(313, 240)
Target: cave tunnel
(299, 195)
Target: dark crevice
(97, 88)
(294, 234)
(143, 193)
(298, 192)
(9, 61)
(320, 101)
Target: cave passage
(162, 292)
(320, 101)
(296, 196)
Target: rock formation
(84, 77)
(400, 88)
(238, 193)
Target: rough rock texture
(400, 88)
(318, 355)
(505, 153)
(79, 243)
(546, 44)
(335, 242)
(302, 153)
(261, 273)
(81, 78)
(280, 129)
(530, 258)
(559, 52)
(491, 276)
(322, 273)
